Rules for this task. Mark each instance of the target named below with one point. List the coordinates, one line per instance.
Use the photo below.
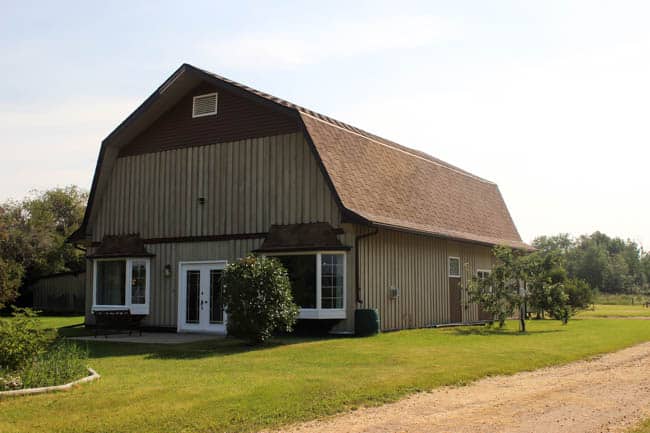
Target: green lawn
(57, 321)
(222, 385)
(621, 299)
(611, 311)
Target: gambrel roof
(375, 181)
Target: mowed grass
(613, 311)
(51, 322)
(222, 385)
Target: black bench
(118, 321)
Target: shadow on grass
(195, 350)
(486, 332)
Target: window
(454, 267)
(138, 282)
(121, 283)
(482, 274)
(204, 105)
(331, 276)
(317, 283)
(110, 282)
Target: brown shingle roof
(302, 237)
(394, 186)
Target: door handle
(202, 301)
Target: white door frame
(181, 290)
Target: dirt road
(606, 394)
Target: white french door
(200, 300)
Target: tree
(498, 293)
(537, 279)
(257, 298)
(11, 276)
(33, 235)
(544, 276)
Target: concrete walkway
(151, 338)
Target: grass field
(621, 299)
(222, 385)
(613, 311)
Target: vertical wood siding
(60, 293)
(247, 185)
(417, 266)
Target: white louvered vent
(204, 105)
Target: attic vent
(204, 105)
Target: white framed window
(454, 267)
(205, 105)
(482, 274)
(122, 283)
(318, 282)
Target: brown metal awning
(302, 237)
(121, 246)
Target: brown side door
(455, 307)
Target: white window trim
(449, 259)
(216, 104)
(486, 271)
(319, 312)
(133, 308)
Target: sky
(549, 99)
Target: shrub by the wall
(258, 300)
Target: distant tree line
(32, 238)
(606, 264)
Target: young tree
(498, 293)
(258, 300)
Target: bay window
(317, 283)
(121, 283)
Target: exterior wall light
(167, 271)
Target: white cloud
(338, 40)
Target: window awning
(121, 246)
(302, 237)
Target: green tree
(498, 293)
(33, 235)
(258, 300)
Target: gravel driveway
(606, 394)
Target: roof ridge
(350, 128)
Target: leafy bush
(258, 300)
(22, 339)
(61, 363)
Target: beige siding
(60, 293)
(417, 266)
(247, 185)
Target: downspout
(357, 240)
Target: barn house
(207, 170)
